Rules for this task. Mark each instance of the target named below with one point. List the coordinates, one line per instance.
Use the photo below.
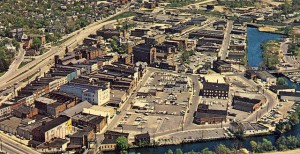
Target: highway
(41, 64)
(13, 147)
(15, 64)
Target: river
(254, 55)
(198, 146)
(254, 39)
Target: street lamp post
(0, 144)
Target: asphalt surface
(226, 41)
(12, 147)
(41, 64)
(15, 64)
(270, 96)
(287, 58)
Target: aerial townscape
(149, 76)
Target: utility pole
(222, 124)
(153, 138)
(256, 115)
(182, 125)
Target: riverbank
(254, 40)
(296, 151)
(267, 29)
(272, 30)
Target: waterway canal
(254, 55)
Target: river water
(197, 147)
(254, 55)
(254, 39)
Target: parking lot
(280, 111)
(177, 138)
(156, 109)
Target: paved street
(195, 101)
(11, 147)
(226, 41)
(41, 64)
(286, 57)
(271, 99)
(15, 64)
(126, 106)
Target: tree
(281, 81)
(206, 151)
(192, 152)
(253, 145)
(178, 151)
(122, 143)
(294, 119)
(281, 143)
(266, 145)
(15, 43)
(280, 127)
(170, 151)
(36, 43)
(222, 149)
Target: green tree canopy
(178, 151)
(122, 143)
(36, 43)
(170, 151)
(206, 151)
(222, 149)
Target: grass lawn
(23, 64)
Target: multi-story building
(157, 39)
(25, 112)
(221, 66)
(96, 122)
(5, 110)
(219, 90)
(56, 128)
(110, 137)
(91, 93)
(246, 104)
(144, 53)
(205, 115)
(267, 77)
